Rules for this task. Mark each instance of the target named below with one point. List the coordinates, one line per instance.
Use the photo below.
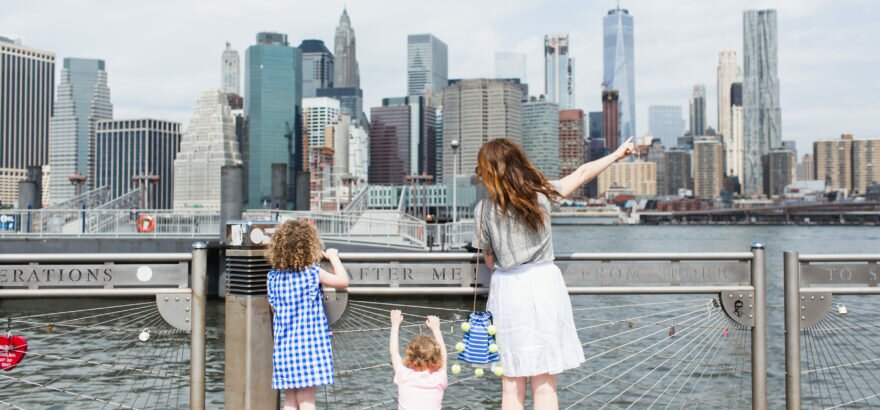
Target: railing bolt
(750, 316)
(803, 297)
(166, 298)
(822, 297)
(812, 298)
(803, 318)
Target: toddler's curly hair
(295, 246)
(423, 353)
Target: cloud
(161, 54)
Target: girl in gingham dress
(302, 357)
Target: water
(356, 350)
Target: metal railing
(830, 312)
(394, 229)
(176, 280)
(737, 279)
(115, 223)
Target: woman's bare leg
(290, 402)
(306, 398)
(513, 393)
(544, 392)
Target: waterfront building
(806, 169)
(734, 143)
(666, 123)
(27, 93)
(678, 171)
(346, 73)
(762, 117)
(865, 164)
(619, 67)
(540, 135)
(317, 64)
(273, 104)
(572, 141)
(426, 65)
(402, 140)
(728, 70)
(639, 176)
(834, 162)
(83, 100)
(231, 71)
(137, 153)
(778, 165)
(208, 145)
(698, 111)
(510, 65)
(558, 71)
(474, 112)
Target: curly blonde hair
(423, 353)
(295, 246)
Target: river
(567, 239)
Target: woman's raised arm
(590, 170)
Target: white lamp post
(454, 144)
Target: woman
(528, 299)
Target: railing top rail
(572, 290)
(849, 257)
(472, 257)
(95, 257)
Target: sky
(161, 54)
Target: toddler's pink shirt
(420, 390)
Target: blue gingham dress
(302, 354)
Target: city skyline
(670, 60)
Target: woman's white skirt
(531, 311)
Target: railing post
(197, 334)
(791, 275)
(759, 331)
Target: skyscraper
(727, 73)
(657, 155)
(273, 103)
(317, 62)
(208, 145)
(611, 118)
(698, 111)
(27, 93)
(426, 64)
(345, 71)
(596, 126)
(806, 169)
(474, 112)
(558, 71)
(351, 102)
(83, 100)
(708, 167)
(318, 112)
(231, 72)
(140, 152)
(540, 135)
(666, 123)
(734, 144)
(510, 65)
(358, 152)
(402, 140)
(620, 66)
(319, 152)
(761, 114)
(572, 141)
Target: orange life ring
(146, 224)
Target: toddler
(421, 375)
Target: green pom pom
(478, 372)
(493, 348)
(498, 370)
(491, 330)
(465, 326)
(456, 369)
(459, 346)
